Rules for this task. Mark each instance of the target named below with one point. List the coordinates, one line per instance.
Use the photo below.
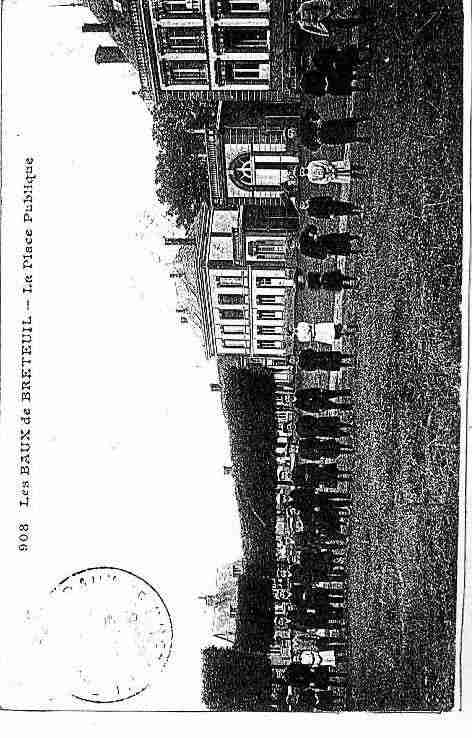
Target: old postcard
(234, 355)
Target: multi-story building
(238, 284)
(218, 49)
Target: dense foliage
(249, 405)
(255, 618)
(235, 680)
(181, 174)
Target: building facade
(235, 267)
(218, 49)
(249, 157)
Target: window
(229, 281)
(185, 39)
(245, 39)
(182, 7)
(269, 315)
(270, 299)
(231, 299)
(263, 281)
(234, 343)
(270, 217)
(261, 170)
(257, 246)
(241, 72)
(231, 315)
(248, 6)
(270, 344)
(187, 72)
(269, 330)
(232, 329)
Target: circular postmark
(112, 632)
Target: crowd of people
(316, 496)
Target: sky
(129, 443)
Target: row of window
(195, 72)
(261, 314)
(238, 281)
(241, 343)
(262, 330)
(192, 39)
(234, 299)
(189, 8)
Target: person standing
(326, 332)
(319, 246)
(327, 474)
(314, 132)
(322, 172)
(341, 60)
(317, 601)
(314, 399)
(302, 675)
(328, 207)
(330, 361)
(315, 449)
(321, 427)
(318, 83)
(333, 281)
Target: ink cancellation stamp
(112, 632)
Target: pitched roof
(129, 32)
(193, 286)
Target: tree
(255, 618)
(181, 174)
(249, 406)
(234, 680)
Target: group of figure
(319, 494)
(316, 592)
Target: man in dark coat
(328, 207)
(333, 281)
(311, 699)
(314, 132)
(318, 513)
(317, 602)
(318, 83)
(316, 449)
(314, 399)
(341, 60)
(329, 361)
(321, 427)
(303, 498)
(319, 246)
(306, 577)
(302, 675)
(315, 567)
(326, 474)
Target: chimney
(109, 55)
(215, 387)
(96, 28)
